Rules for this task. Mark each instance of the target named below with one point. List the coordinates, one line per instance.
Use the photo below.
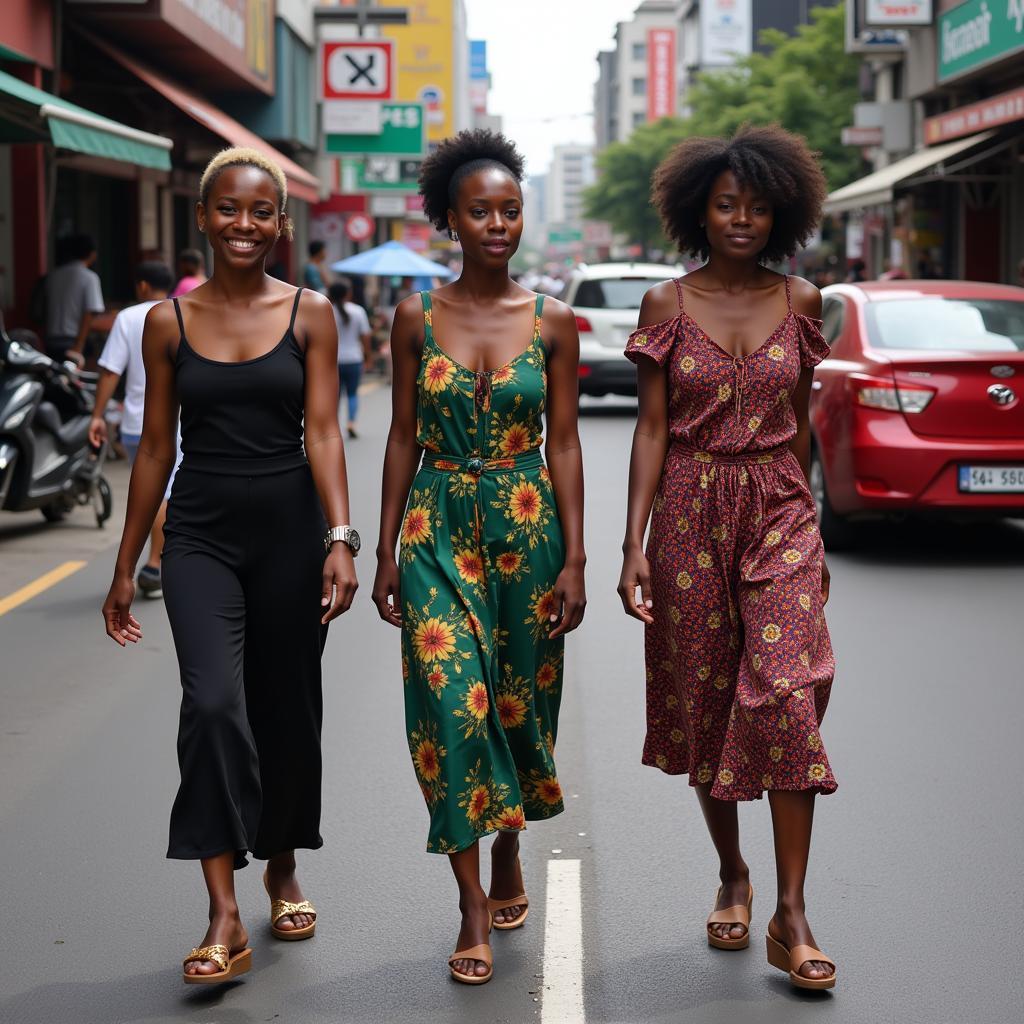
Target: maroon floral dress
(739, 662)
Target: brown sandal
(481, 953)
(282, 908)
(231, 964)
(519, 901)
(791, 960)
(738, 914)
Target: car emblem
(1001, 394)
(1003, 371)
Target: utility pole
(361, 13)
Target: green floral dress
(480, 551)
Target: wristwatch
(347, 535)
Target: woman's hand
(570, 600)
(339, 582)
(636, 572)
(120, 624)
(386, 595)
(826, 582)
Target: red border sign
(360, 227)
(361, 69)
(661, 73)
(954, 124)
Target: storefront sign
(401, 134)
(856, 136)
(889, 12)
(726, 31)
(661, 73)
(978, 32)
(351, 117)
(1002, 109)
(380, 174)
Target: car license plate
(992, 479)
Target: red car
(919, 407)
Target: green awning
(28, 114)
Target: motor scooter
(46, 460)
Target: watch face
(353, 541)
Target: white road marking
(563, 946)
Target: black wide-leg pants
(241, 571)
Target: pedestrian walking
(73, 298)
(489, 575)
(733, 582)
(314, 273)
(248, 591)
(122, 356)
(353, 346)
(191, 272)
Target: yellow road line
(44, 582)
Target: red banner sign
(661, 73)
(1002, 109)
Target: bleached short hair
(241, 156)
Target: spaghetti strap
(428, 325)
(177, 313)
(295, 309)
(679, 292)
(789, 297)
(538, 315)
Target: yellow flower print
(703, 457)
(775, 753)
(438, 374)
(783, 722)
(705, 722)
(639, 340)
(725, 777)
(661, 761)
(772, 538)
(686, 364)
(509, 562)
(525, 503)
(744, 477)
(718, 533)
(780, 686)
(549, 791)
(547, 675)
(437, 680)
(696, 504)
(816, 773)
(684, 581)
(416, 526)
(544, 607)
(704, 673)
(682, 524)
(814, 741)
(791, 556)
(805, 602)
(756, 661)
(771, 633)
(434, 640)
(476, 701)
(704, 560)
(470, 565)
(721, 682)
(511, 819)
(714, 620)
(766, 781)
(511, 710)
(753, 423)
(427, 760)
(676, 735)
(724, 392)
(428, 317)
(515, 440)
(704, 774)
(777, 353)
(503, 374)
(478, 802)
(805, 659)
(675, 615)
(671, 701)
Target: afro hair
(454, 160)
(773, 162)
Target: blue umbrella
(392, 259)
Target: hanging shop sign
(726, 31)
(1005, 108)
(864, 37)
(978, 33)
(661, 73)
(890, 12)
(402, 133)
(380, 174)
(854, 135)
(357, 70)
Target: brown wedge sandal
(282, 908)
(481, 953)
(791, 960)
(738, 914)
(231, 964)
(519, 901)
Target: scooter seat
(74, 434)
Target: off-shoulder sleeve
(655, 341)
(813, 346)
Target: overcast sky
(542, 56)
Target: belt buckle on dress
(475, 466)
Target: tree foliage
(805, 82)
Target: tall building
(637, 80)
(572, 171)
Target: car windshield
(942, 325)
(614, 292)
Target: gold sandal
(791, 960)
(519, 901)
(481, 953)
(231, 964)
(739, 914)
(282, 908)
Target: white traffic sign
(359, 227)
(357, 70)
(352, 117)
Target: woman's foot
(476, 930)
(352, 431)
(226, 929)
(735, 892)
(507, 877)
(283, 885)
(790, 927)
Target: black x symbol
(361, 72)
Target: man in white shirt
(122, 354)
(73, 298)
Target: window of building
(639, 51)
(639, 118)
(639, 86)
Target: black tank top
(245, 417)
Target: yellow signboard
(424, 57)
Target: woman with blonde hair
(251, 363)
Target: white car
(606, 300)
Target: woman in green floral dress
(489, 573)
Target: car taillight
(583, 325)
(879, 393)
(584, 371)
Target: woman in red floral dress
(733, 581)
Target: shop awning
(28, 114)
(301, 183)
(878, 188)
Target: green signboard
(380, 174)
(977, 33)
(563, 236)
(403, 133)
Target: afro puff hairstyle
(773, 162)
(454, 160)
